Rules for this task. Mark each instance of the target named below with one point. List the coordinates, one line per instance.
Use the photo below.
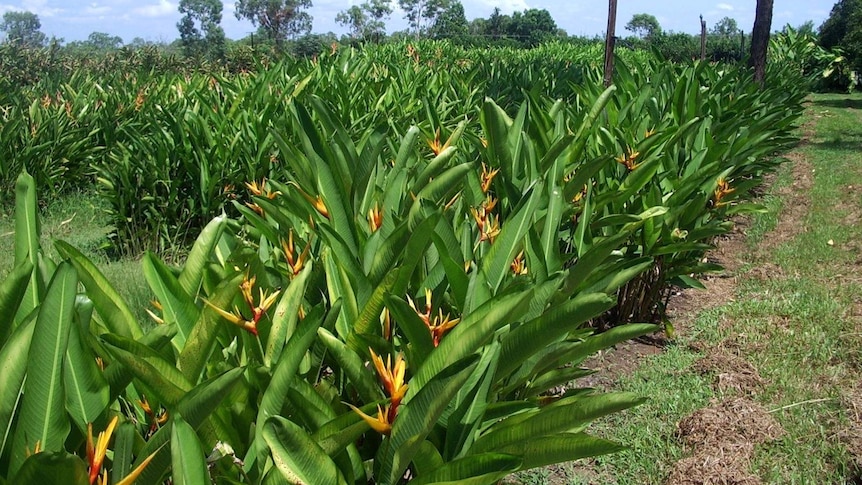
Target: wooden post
(702, 39)
(610, 41)
(741, 44)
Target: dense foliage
(399, 257)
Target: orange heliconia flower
(265, 301)
(628, 158)
(722, 190)
(487, 176)
(375, 218)
(519, 265)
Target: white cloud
(164, 7)
(96, 9)
(505, 6)
(725, 6)
(40, 8)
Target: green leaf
(52, 467)
(567, 413)
(109, 304)
(26, 220)
(124, 445)
(497, 263)
(43, 414)
(188, 461)
(195, 407)
(352, 366)
(13, 368)
(285, 315)
(147, 365)
(531, 337)
(194, 355)
(297, 456)
(283, 374)
(178, 306)
(86, 390)
(192, 274)
(12, 291)
(564, 447)
(472, 470)
(418, 416)
(474, 330)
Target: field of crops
(397, 257)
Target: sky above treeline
(155, 20)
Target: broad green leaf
(352, 366)
(124, 446)
(188, 461)
(565, 414)
(297, 456)
(194, 355)
(417, 417)
(285, 315)
(274, 395)
(52, 467)
(43, 415)
(560, 448)
(13, 368)
(26, 220)
(472, 470)
(192, 274)
(195, 407)
(109, 304)
(86, 390)
(178, 306)
(497, 263)
(12, 291)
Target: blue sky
(156, 20)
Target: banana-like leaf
(85, 386)
(352, 366)
(192, 274)
(470, 403)
(297, 456)
(52, 467)
(109, 304)
(194, 355)
(594, 343)
(188, 461)
(530, 337)
(472, 332)
(165, 380)
(178, 306)
(26, 220)
(12, 291)
(13, 364)
(559, 448)
(497, 263)
(567, 413)
(43, 415)
(285, 315)
(124, 446)
(276, 392)
(195, 407)
(417, 417)
(473, 470)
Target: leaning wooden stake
(702, 39)
(610, 41)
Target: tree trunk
(610, 40)
(760, 39)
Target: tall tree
(726, 26)
(451, 22)
(644, 25)
(532, 26)
(366, 20)
(760, 38)
(421, 14)
(278, 19)
(23, 29)
(200, 28)
(843, 29)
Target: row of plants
(390, 296)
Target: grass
(800, 328)
(79, 219)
